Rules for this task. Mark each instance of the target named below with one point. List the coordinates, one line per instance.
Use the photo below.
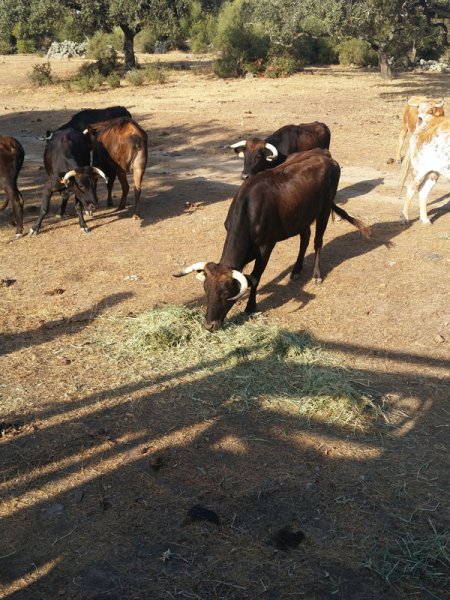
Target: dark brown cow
(11, 160)
(260, 155)
(67, 158)
(120, 145)
(269, 208)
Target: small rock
(7, 282)
(439, 338)
(390, 161)
(55, 292)
(132, 278)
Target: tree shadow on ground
(99, 491)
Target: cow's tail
(406, 166)
(364, 230)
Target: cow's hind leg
(79, 208)
(305, 236)
(121, 174)
(138, 175)
(321, 225)
(45, 205)
(424, 191)
(17, 207)
(64, 199)
(404, 215)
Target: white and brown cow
(428, 157)
(417, 105)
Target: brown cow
(11, 160)
(275, 205)
(120, 145)
(417, 105)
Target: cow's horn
(100, 173)
(238, 144)
(439, 103)
(242, 282)
(198, 266)
(68, 175)
(273, 150)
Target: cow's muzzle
(212, 325)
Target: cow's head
(223, 286)
(82, 182)
(257, 155)
(428, 106)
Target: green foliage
(145, 41)
(198, 27)
(136, 77)
(41, 74)
(104, 46)
(113, 80)
(283, 66)
(154, 73)
(239, 41)
(356, 52)
(25, 46)
(5, 46)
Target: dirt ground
(99, 471)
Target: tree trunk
(128, 47)
(385, 67)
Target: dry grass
(252, 363)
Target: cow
(81, 120)
(428, 157)
(120, 145)
(67, 162)
(268, 208)
(414, 106)
(12, 156)
(259, 154)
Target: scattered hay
(247, 363)
(414, 560)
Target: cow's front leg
(260, 264)
(305, 235)
(121, 174)
(45, 205)
(79, 208)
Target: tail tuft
(363, 229)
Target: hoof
(404, 220)
(59, 216)
(256, 313)
(426, 221)
(32, 232)
(19, 235)
(294, 276)
(84, 229)
(137, 217)
(318, 280)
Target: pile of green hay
(250, 361)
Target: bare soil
(99, 472)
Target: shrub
(145, 41)
(5, 47)
(113, 80)
(25, 46)
(356, 52)
(154, 73)
(104, 46)
(41, 74)
(283, 66)
(136, 77)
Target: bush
(283, 66)
(113, 80)
(5, 47)
(104, 46)
(154, 73)
(145, 41)
(198, 27)
(25, 46)
(136, 77)
(240, 42)
(356, 52)
(41, 74)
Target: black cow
(267, 209)
(260, 155)
(81, 120)
(67, 162)
(12, 156)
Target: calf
(428, 157)
(260, 155)
(67, 162)
(267, 209)
(11, 160)
(414, 106)
(120, 145)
